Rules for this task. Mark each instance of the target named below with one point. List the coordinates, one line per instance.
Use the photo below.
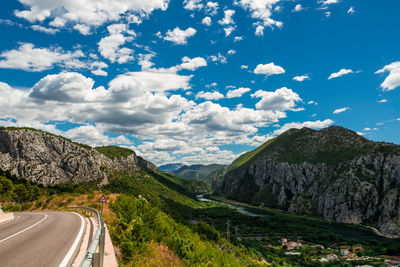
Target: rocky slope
(333, 173)
(47, 159)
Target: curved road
(39, 238)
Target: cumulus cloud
(192, 4)
(192, 63)
(383, 101)
(351, 10)
(309, 124)
(261, 10)
(110, 46)
(269, 69)
(237, 92)
(29, 58)
(301, 78)
(340, 73)
(298, 8)
(67, 87)
(229, 30)
(281, 99)
(259, 30)
(328, 2)
(212, 8)
(237, 38)
(392, 81)
(206, 21)
(218, 58)
(44, 29)
(340, 110)
(215, 95)
(227, 20)
(89, 12)
(178, 36)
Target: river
(240, 209)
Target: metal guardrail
(94, 256)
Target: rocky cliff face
(47, 159)
(333, 173)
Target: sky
(199, 81)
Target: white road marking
(20, 232)
(71, 251)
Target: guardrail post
(101, 245)
(96, 259)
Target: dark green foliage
(114, 152)
(199, 172)
(140, 222)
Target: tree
(6, 186)
(20, 193)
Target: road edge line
(68, 259)
(20, 232)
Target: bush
(69, 200)
(90, 196)
(12, 207)
(38, 204)
(26, 206)
(60, 204)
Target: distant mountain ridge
(199, 172)
(334, 173)
(171, 167)
(48, 159)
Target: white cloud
(229, 30)
(231, 52)
(309, 124)
(67, 87)
(360, 133)
(192, 63)
(237, 92)
(215, 95)
(261, 10)
(218, 58)
(97, 68)
(301, 78)
(178, 36)
(237, 38)
(259, 30)
(206, 21)
(110, 46)
(44, 29)
(328, 14)
(340, 110)
(392, 81)
(89, 12)
(268, 69)
(340, 73)
(29, 58)
(328, 2)
(281, 99)
(244, 67)
(212, 8)
(383, 101)
(298, 8)
(351, 10)
(192, 4)
(83, 29)
(227, 20)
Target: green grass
(114, 152)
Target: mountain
(170, 167)
(47, 159)
(199, 172)
(333, 173)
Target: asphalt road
(38, 238)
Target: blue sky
(199, 81)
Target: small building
(392, 263)
(344, 251)
(332, 257)
(293, 245)
(319, 246)
(283, 241)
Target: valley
(156, 215)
